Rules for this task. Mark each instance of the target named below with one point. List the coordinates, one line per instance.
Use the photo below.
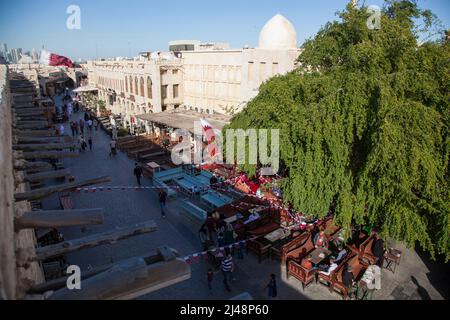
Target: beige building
(208, 78)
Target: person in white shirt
(331, 268)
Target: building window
(176, 106)
(136, 86)
(163, 107)
(250, 70)
(131, 84)
(274, 68)
(175, 91)
(262, 71)
(142, 87)
(149, 88)
(163, 72)
(164, 92)
(175, 71)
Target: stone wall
(8, 278)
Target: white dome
(278, 33)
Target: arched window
(126, 84)
(132, 108)
(149, 88)
(131, 84)
(136, 86)
(142, 87)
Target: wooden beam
(44, 146)
(31, 122)
(48, 191)
(128, 280)
(27, 140)
(59, 218)
(49, 155)
(54, 174)
(59, 283)
(35, 133)
(28, 165)
(108, 237)
(31, 126)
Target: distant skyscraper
(5, 49)
(34, 55)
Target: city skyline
(125, 29)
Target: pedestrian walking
(89, 125)
(113, 151)
(210, 277)
(61, 130)
(272, 287)
(86, 116)
(82, 126)
(138, 173)
(96, 124)
(162, 201)
(83, 143)
(73, 128)
(90, 143)
(227, 266)
(204, 236)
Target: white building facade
(207, 78)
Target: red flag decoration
(210, 137)
(54, 60)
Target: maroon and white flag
(210, 137)
(54, 60)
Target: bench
(171, 194)
(194, 211)
(168, 175)
(215, 200)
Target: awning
(185, 119)
(85, 89)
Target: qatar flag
(54, 60)
(210, 137)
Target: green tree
(364, 125)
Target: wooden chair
(364, 250)
(358, 270)
(303, 275)
(260, 247)
(295, 243)
(327, 280)
(308, 245)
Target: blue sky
(117, 27)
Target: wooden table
(277, 235)
(318, 255)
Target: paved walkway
(127, 207)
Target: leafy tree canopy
(364, 123)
